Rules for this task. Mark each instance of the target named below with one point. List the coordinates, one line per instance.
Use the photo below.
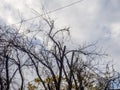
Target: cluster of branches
(51, 58)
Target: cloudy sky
(90, 20)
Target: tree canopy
(56, 65)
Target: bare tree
(63, 66)
(12, 60)
(57, 65)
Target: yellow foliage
(73, 86)
(31, 87)
(37, 80)
(48, 80)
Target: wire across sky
(49, 12)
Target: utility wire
(49, 12)
(64, 6)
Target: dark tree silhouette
(56, 65)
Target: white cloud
(89, 20)
(13, 10)
(115, 30)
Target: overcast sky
(90, 20)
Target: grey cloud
(90, 20)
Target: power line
(65, 6)
(49, 12)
